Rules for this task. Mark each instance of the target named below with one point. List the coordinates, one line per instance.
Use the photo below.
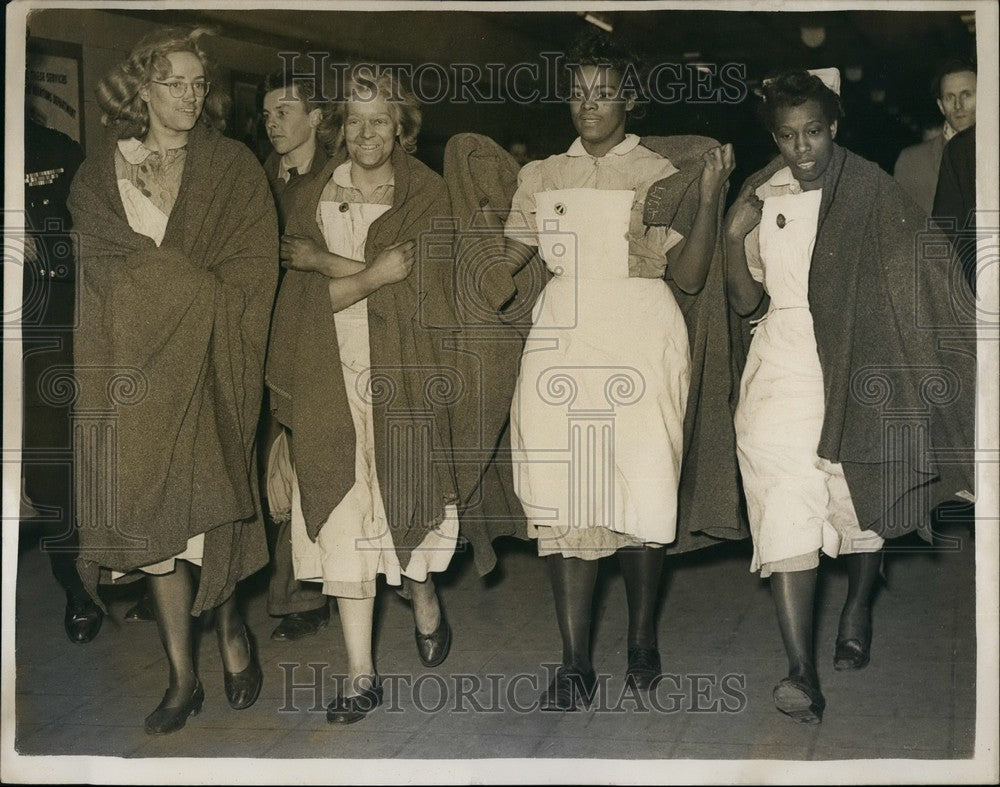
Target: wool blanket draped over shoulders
(169, 357)
(494, 305)
(895, 332)
(411, 385)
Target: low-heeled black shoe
(243, 687)
(799, 699)
(82, 620)
(348, 710)
(433, 648)
(643, 667)
(164, 720)
(297, 625)
(568, 690)
(852, 654)
(141, 611)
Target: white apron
(797, 502)
(598, 411)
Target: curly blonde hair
(367, 83)
(118, 92)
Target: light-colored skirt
(597, 418)
(355, 544)
(798, 503)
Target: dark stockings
(642, 569)
(172, 596)
(573, 582)
(794, 595)
(862, 576)
(234, 647)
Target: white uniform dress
(355, 543)
(798, 503)
(598, 411)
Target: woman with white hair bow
(826, 244)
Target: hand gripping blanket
(494, 307)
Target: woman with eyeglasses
(178, 243)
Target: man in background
(290, 120)
(917, 167)
(955, 200)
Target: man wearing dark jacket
(290, 120)
(955, 199)
(50, 162)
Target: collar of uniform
(342, 177)
(947, 131)
(784, 178)
(135, 152)
(627, 145)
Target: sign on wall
(54, 85)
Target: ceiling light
(600, 20)
(813, 35)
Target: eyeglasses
(179, 89)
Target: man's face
(289, 125)
(958, 99)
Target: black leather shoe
(801, 700)
(82, 620)
(568, 690)
(164, 720)
(433, 648)
(643, 667)
(141, 611)
(852, 654)
(243, 688)
(348, 710)
(297, 625)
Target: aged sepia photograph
(501, 392)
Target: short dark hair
(954, 65)
(305, 89)
(792, 89)
(594, 47)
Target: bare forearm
(347, 290)
(745, 294)
(690, 268)
(335, 266)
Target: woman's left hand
(719, 163)
(300, 253)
